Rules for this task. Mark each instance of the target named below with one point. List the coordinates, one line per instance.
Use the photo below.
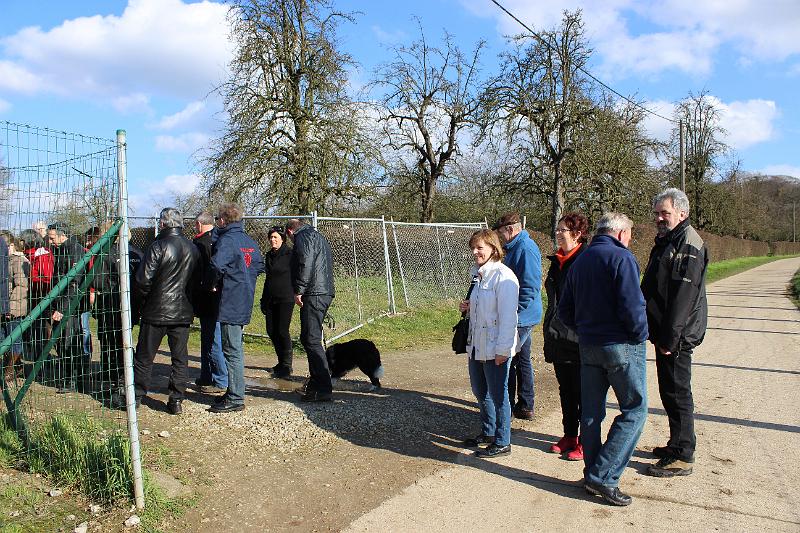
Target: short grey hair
(679, 199)
(170, 218)
(204, 218)
(612, 223)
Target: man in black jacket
(213, 370)
(312, 278)
(163, 282)
(674, 289)
(71, 367)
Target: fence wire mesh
(60, 329)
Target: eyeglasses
(562, 230)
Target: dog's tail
(378, 374)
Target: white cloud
(181, 117)
(747, 122)
(657, 127)
(132, 103)
(4, 105)
(185, 142)
(182, 184)
(781, 170)
(155, 47)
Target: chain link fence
(380, 266)
(61, 332)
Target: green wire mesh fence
(61, 333)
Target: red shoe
(576, 454)
(564, 445)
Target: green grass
(794, 288)
(723, 269)
(421, 327)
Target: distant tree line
(435, 138)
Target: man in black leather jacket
(312, 278)
(163, 282)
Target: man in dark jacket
(675, 292)
(71, 366)
(525, 260)
(601, 300)
(163, 283)
(236, 263)
(213, 369)
(312, 279)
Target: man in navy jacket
(235, 264)
(525, 260)
(602, 301)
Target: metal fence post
(389, 285)
(355, 265)
(399, 262)
(125, 310)
(441, 262)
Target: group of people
(213, 277)
(598, 320)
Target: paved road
(746, 476)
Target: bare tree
(539, 100)
(294, 139)
(430, 99)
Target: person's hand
(662, 351)
(57, 316)
(500, 359)
(298, 300)
(463, 306)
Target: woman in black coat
(560, 342)
(277, 300)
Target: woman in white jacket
(492, 341)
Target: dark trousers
(150, 336)
(109, 333)
(279, 317)
(70, 363)
(520, 374)
(675, 387)
(569, 389)
(311, 315)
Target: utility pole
(794, 221)
(683, 155)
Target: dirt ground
(323, 465)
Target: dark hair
(279, 230)
(61, 228)
(508, 219)
(576, 222)
(489, 237)
(31, 238)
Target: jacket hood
(232, 227)
(599, 240)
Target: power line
(592, 76)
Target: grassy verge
(723, 269)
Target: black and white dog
(361, 353)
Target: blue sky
(149, 66)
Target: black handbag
(461, 329)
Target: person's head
(228, 213)
(508, 227)
(293, 225)
(276, 237)
(617, 225)
(30, 238)
(40, 227)
(10, 240)
(670, 208)
(170, 218)
(92, 234)
(485, 246)
(57, 233)
(572, 230)
(203, 222)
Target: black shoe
(174, 406)
(493, 450)
(662, 452)
(226, 406)
(523, 414)
(611, 495)
(316, 396)
(480, 440)
(670, 467)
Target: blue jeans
(6, 327)
(623, 368)
(490, 386)
(213, 370)
(87, 335)
(233, 350)
(521, 372)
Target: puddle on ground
(271, 383)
